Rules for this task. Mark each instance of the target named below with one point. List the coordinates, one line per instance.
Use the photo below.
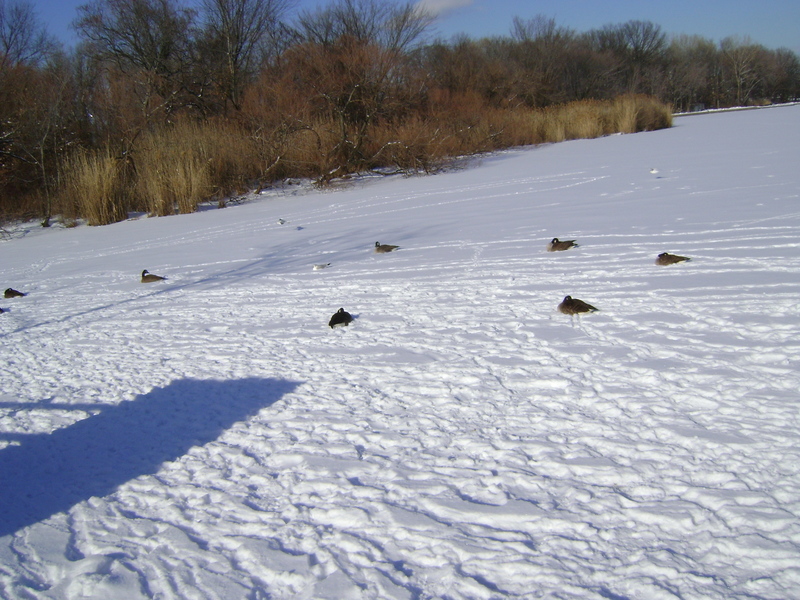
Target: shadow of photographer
(49, 473)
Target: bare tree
(394, 27)
(640, 47)
(457, 66)
(25, 49)
(543, 49)
(238, 34)
(23, 40)
(786, 84)
(24, 45)
(741, 61)
(644, 41)
(148, 39)
(690, 67)
(352, 56)
(52, 129)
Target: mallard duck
(12, 293)
(340, 318)
(573, 306)
(665, 258)
(384, 248)
(148, 277)
(555, 245)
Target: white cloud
(439, 7)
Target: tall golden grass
(94, 187)
(187, 163)
(428, 140)
(172, 169)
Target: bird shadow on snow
(49, 473)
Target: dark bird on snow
(555, 245)
(12, 293)
(340, 318)
(148, 277)
(665, 258)
(384, 248)
(573, 306)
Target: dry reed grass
(187, 163)
(176, 168)
(93, 187)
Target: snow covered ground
(209, 437)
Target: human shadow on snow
(49, 473)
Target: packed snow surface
(210, 437)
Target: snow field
(461, 439)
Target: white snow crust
(210, 437)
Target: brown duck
(573, 306)
(665, 258)
(384, 248)
(148, 277)
(556, 245)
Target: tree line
(237, 92)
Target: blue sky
(773, 23)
